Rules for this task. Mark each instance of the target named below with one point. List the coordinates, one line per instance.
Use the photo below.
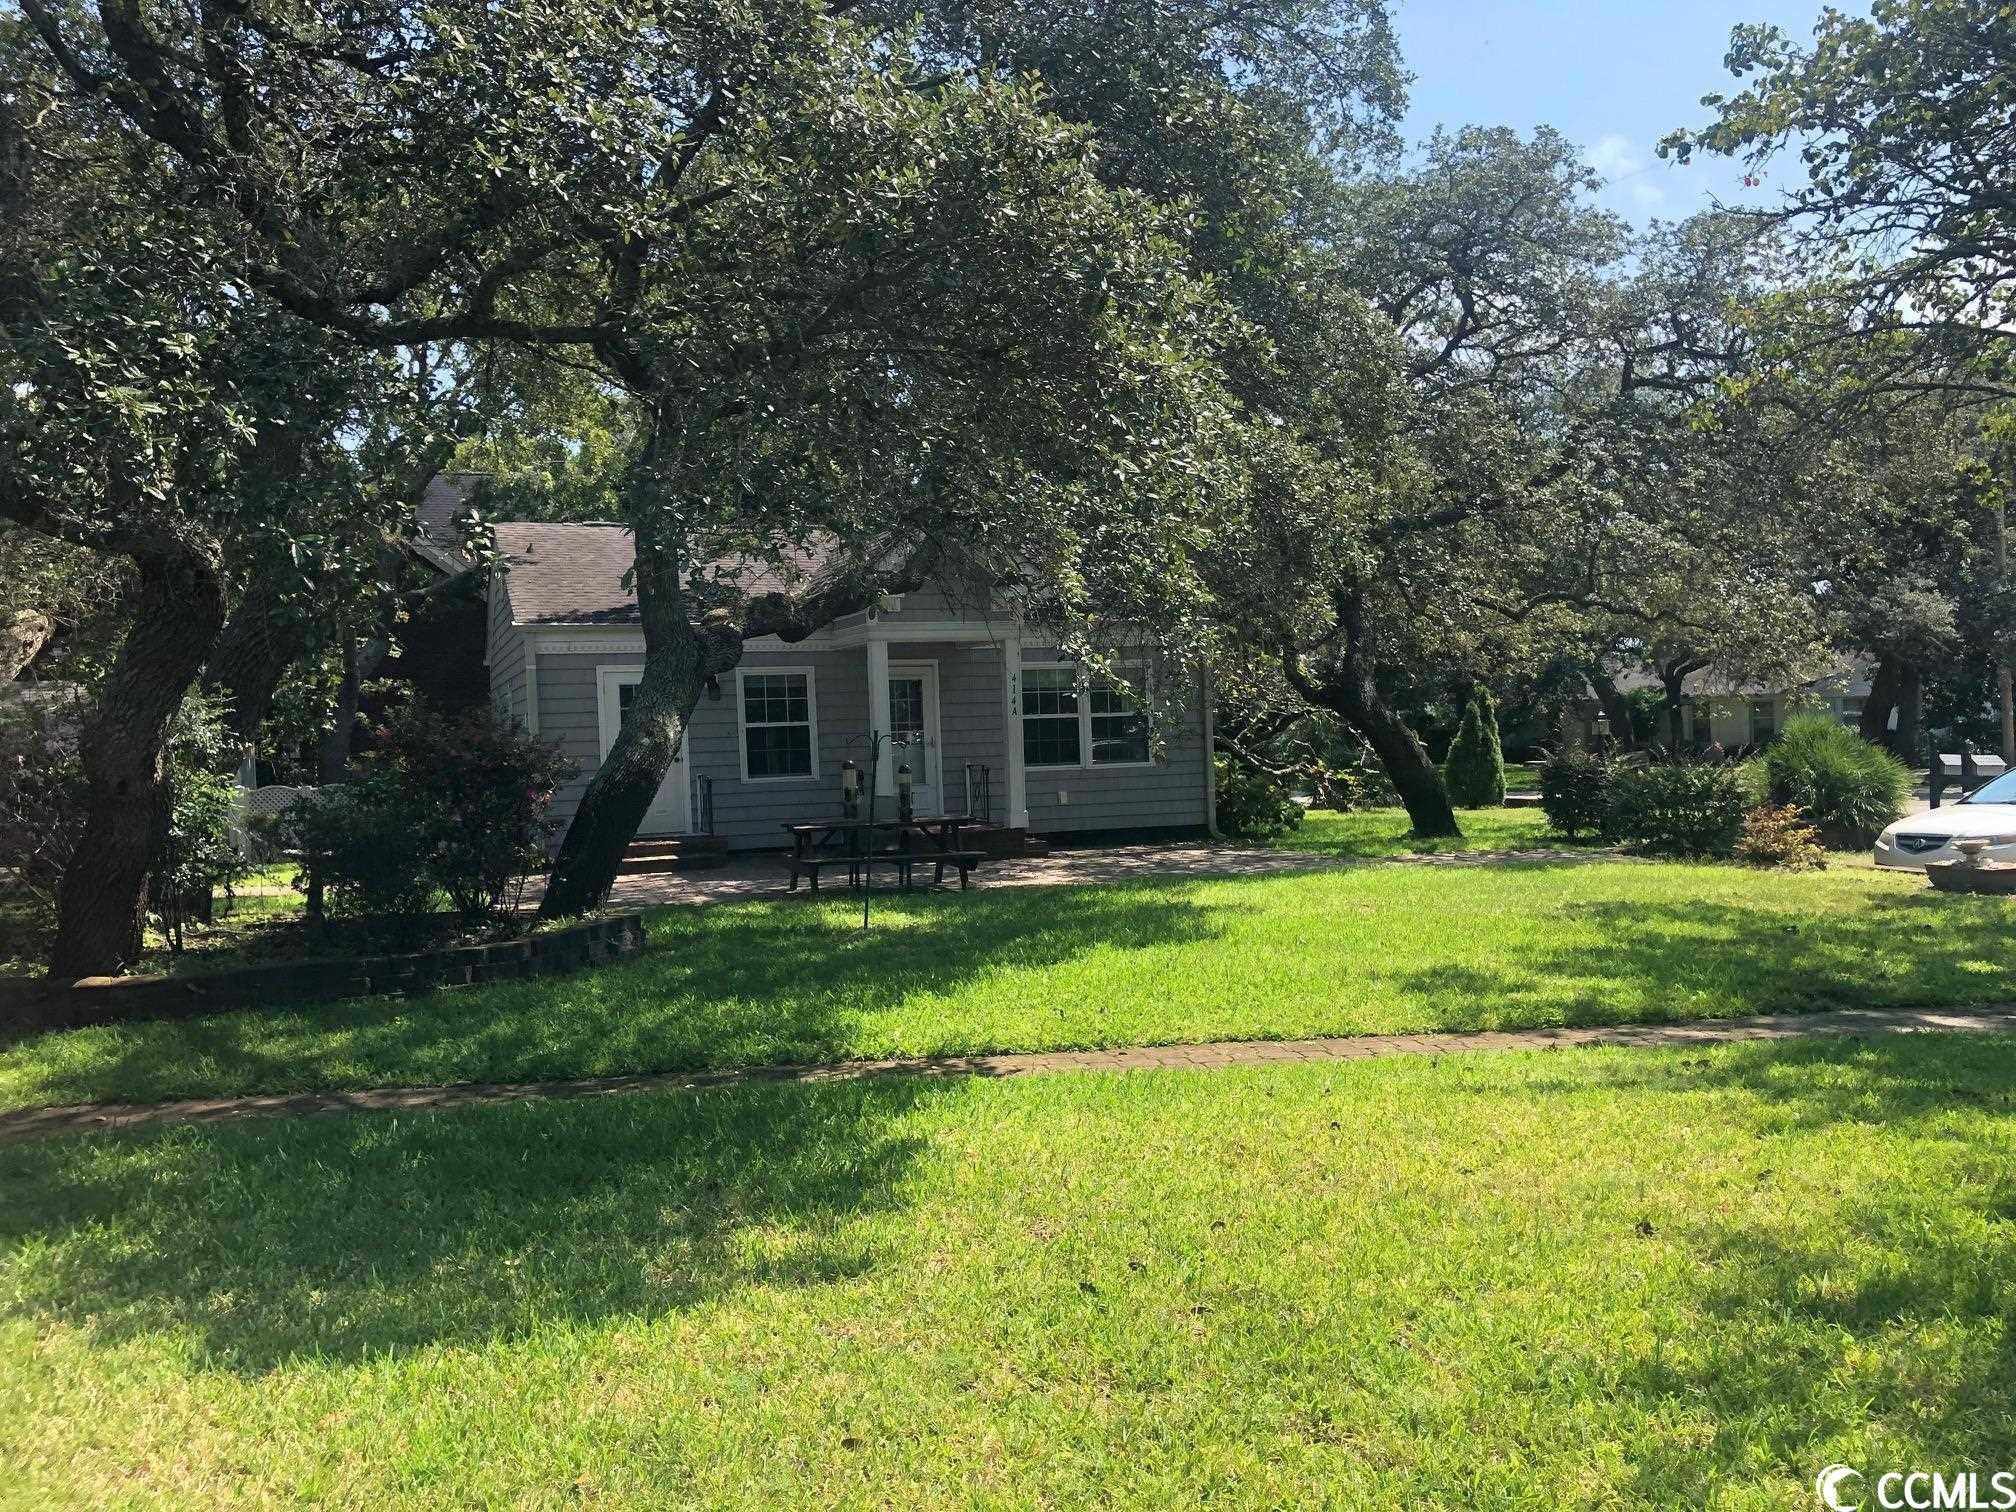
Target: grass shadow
(347, 1238)
(1652, 962)
(729, 984)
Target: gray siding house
(1002, 727)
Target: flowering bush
(483, 789)
(455, 803)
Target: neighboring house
(1741, 715)
(1005, 729)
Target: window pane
(1049, 690)
(1050, 742)
(775, 698)
(906, 706)
(1119, 737)
(625, 692)
(781, 750)
(1107, 699)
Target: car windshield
(2001, 790)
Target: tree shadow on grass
(1850, 1278)
(1664, 962)
(1909, 1289)
(729, 984)
(345, 1238)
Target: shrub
(1475, 770)
(1848, 787)
(456, 803)
(366, 842)
(1572, 784)
(42, 807)
(483, 788)
(1777, 834)
(1677, 808)
(1254, 805)
(202, 849)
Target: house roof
(1850, 676)
(573, 574)
(567, 574)
(435, 538)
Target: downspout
(1210, 760)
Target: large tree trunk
(20, 639)
(1910, 741)
(102, 902)
(1615, 706)
(265, 636)
(1673, 675)
(1884, 685)
(678, 659)
(1354, 696)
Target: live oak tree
(850, 298)
(1888, 138)
(159, 416)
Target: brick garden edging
(113, 1000)
(1836, 1023)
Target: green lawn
(1338, 951)
(1573, 1279)
(1371, 833)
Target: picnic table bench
(857, 844)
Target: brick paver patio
(762, 875)
(36, 1123)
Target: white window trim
(1138, 675)
(742, 674)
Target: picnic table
(858, 843)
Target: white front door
(671, 810)
(913, 716)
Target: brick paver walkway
(36, 1123)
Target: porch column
(1011, 720)
(878, 714)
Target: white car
(1989, 811)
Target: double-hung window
(1119, 726)
(1069, 720)
(1050, 715)
(779, 729)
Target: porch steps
(673, 853)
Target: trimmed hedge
(1677, 808)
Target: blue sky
(1614, 75)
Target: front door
(670, 811)
(913, 716)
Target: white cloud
(1613, 157)
(1628, 173)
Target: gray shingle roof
(437, 538)
(567, 574)
(573, 574)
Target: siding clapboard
(972, 725)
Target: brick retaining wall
(111, 1000)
